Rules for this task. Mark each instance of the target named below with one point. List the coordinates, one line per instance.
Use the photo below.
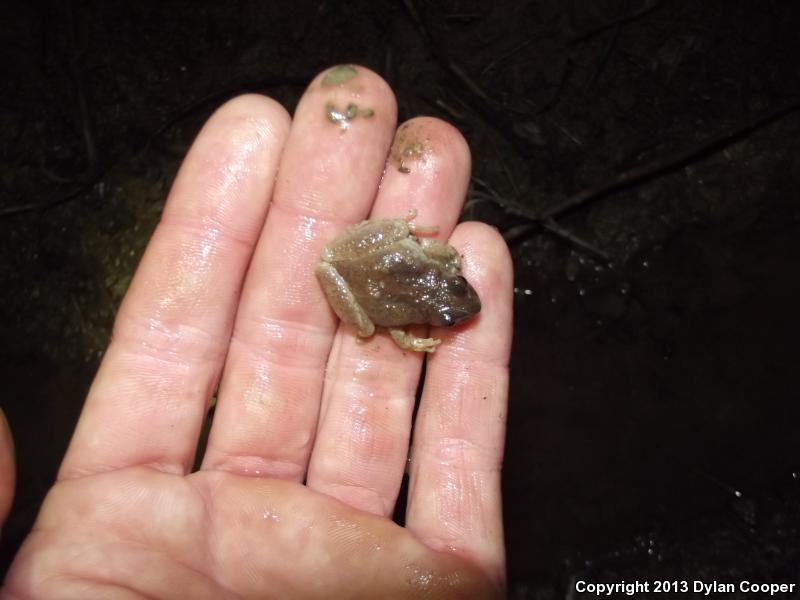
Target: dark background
(641, 158)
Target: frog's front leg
(447, 256)
(409, 341)
(342, 301)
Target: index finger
(149, 398)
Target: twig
(637, 14)
(524, 229)
(566, 71)
(27, 207)
(507, 54)
(76, 76)
(554, 228)
(655, 168)
(101, 170)
(603, 59)
(662, 166)
(217, 98)
(547, 219)
(494, 114)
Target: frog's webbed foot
(342, 300)
(409, 341)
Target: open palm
(312, 428)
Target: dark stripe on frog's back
(408, 290)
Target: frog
(386, 273)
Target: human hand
(311, 430)
(7, 468)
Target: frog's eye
(446, 319)
(459, 285)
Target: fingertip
(427, 170)
(487, 265)
(336, 150)
(353, 77)
(487, 248)
(250, 122)
(345, 86)
(254, 107)
(228, 174)
(429, 144)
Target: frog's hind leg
(409, 341)
(342, 301)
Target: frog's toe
(408, 341)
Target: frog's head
(457, 301)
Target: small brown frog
(379, 273)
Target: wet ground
(640, 157)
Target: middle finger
(327, 179)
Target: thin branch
(554, 228)
(524, 229)
(101, 170)
(649, 7)
(664, 165)
(494, 114)
(601, 65)
(84, 120)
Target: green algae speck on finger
(339, 75)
